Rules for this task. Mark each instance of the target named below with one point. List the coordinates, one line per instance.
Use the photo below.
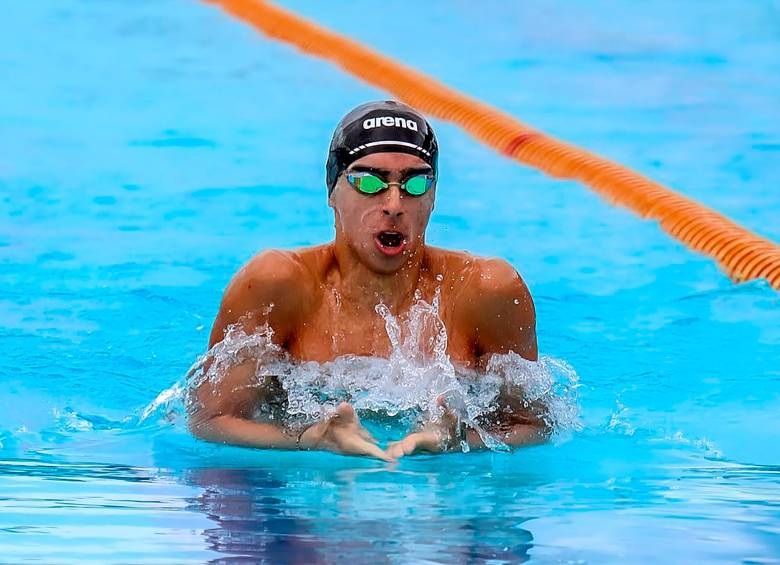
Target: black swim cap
(380, 127)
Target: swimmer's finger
(395, 450)
(344, 413)
(366, 435)
(377, 452)
(398, 449)
(358, 446)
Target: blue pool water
(148, 149)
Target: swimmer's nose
(393, 202)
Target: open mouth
(390, 242)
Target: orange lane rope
(741, 253)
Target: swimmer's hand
(343, 433)
(432, 438)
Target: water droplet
(516, 301)
(439, 277)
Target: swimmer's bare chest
(334, 330)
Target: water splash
(702, 444)
(619, 421)
(403, 388)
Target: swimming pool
(148, 150)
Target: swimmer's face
(386, 228)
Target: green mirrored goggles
(371, 184)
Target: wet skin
(320, 302)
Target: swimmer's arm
(518, 435)
(501, 311)
(505, 321)
(266, 290)
(432, 440)
(269, 289)
(272, 289)
(498, 307)
(244, 433)
(221, 412)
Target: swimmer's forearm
(520, 435)
(244, 433)
(524, 435)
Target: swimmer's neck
(364, 288)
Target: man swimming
(320, 301)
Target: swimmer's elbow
(214, 428)
(200, 425)
(207, 418)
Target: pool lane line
(742, 254)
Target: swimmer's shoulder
(295, 273)
(317, 260)
(270, 272)
(448, 262)
(496, 282)
(475, 272)
(486, 286)
(273, 286)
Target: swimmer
(320, 301)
